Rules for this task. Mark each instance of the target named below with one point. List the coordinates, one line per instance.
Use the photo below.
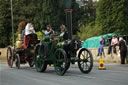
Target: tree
(52, 13)
(88, 12)
(20, 10)
(40, 12)
(112, 16)
(88, 27)
(5, 23)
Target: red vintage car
(24, 53)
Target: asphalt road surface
(115, 74)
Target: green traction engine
(62, 52)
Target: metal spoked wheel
(85, 60)
(61, 61)
(10, 56)
(17, 61)
(40, 64)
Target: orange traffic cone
(101, 65)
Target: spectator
(123, 49)
(100, 49)
(114, 43)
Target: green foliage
(22, 9)
(40, 12)
(89, 30)
(88, 13)
(4, 23)
(112, 16)
(50, 13)
(40, 34)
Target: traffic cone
(101, 65)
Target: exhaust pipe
(69, 22)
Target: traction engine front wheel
(85, 60)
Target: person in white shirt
(114, 43)
(29, 29)
(30, 32)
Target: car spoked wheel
(17, 61)
(10, 56)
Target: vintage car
(22, 52)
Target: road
(115, 74)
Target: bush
(89, 30)
(40, 35)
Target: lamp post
(12, 23)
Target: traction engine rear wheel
(61, 61)
(40, 64)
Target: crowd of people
(115, 42)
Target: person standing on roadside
(123, 49)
